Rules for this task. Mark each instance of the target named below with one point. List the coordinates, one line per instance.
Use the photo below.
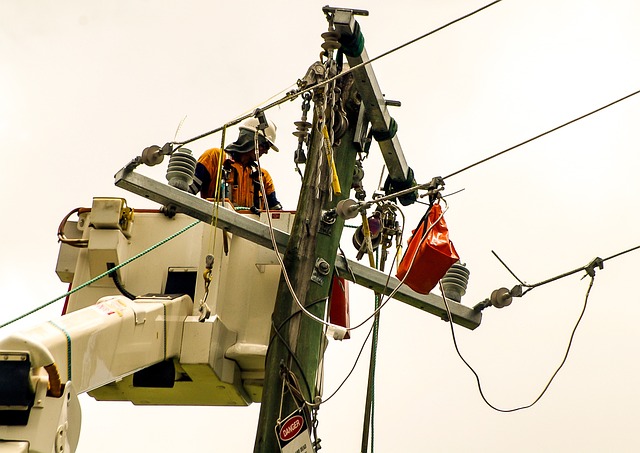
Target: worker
(239, 180)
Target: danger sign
(293, 434)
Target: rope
(66, 334)
(164, 330)
(104, 274)
(204, 308)
(368, 428)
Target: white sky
(86, 85)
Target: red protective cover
(429, 254)
(339, 303)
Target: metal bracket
(327, 221)
(361, 139)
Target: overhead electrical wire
(277, 330)
(346, 378)
(546, 387)
(504, 151)
(542, 134)
(589, 268)
(292, 95)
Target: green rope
(164, 327)
(386, 135)
(368, 428)
(66, 334)
(104, 274)
(374, 350)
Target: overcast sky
(86, 85)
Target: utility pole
(298, 341)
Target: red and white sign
(291, 428)
(293, 435)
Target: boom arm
(84, 350)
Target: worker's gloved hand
(273, 202)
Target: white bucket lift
(221, 360)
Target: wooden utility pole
(298, 341)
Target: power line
(413, 41)
(542, 134)
(588, 268)
(292, 96)
(439, 180)
(555, 373)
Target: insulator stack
(330, 41)
(182, 167)
(455, 281)
(302, 129)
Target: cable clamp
(434, 187)
(590, 268)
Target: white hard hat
(269, 133)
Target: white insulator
(348, 208)
(501, 298)
(182, 167)
(455, 281)
(330, 40)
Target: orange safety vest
(242, 182)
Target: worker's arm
(201, 180)
(270, 189)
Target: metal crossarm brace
(257, 232)
(373, 100)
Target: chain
(391, 230)
(302, 132)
